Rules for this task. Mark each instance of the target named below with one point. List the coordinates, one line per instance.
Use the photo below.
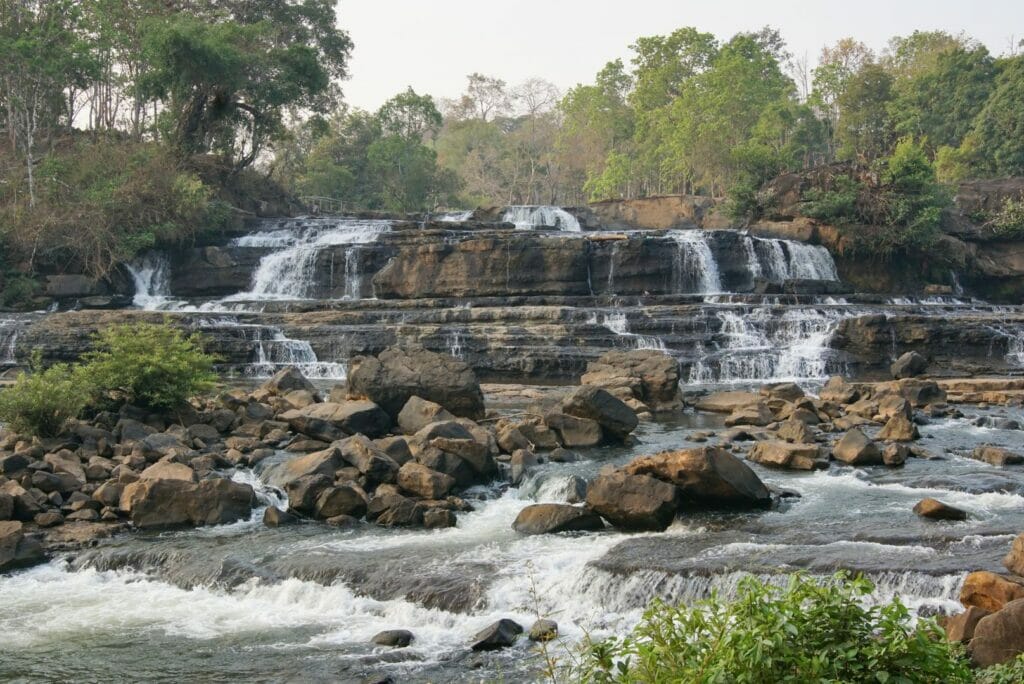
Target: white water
(531, 217)
(9, 331)
(151, 274)
(780, 260)
(619, 324)
(273, 350)
(290, 272)
(694, 260)
(761, 346)
(455, 216)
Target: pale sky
(432, 45)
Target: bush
(152, 366)
(1009, 220)
(837, 204)
(807, 631)
(42, 402)
(1007, 673)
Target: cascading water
(531, 217)
(779, 260)
(696, 269)
(290, 272)
(9, 331)
(272, 350)
(619, 324)
(455, 216)
(152, 277)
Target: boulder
(708, 477)
(419, 413)
(304, 491)
(796, 431)
(647, 375)
(787, 391)
(287, 380)
(501, 634)
(909, 365)
(838, 391)
(937, 510)
(368, 459)
(895, 455)
(996, 456)
(899, 429)
(400, 512)
(633, 502)
(726, 402)
(574, 433)
(168, 470)
(275, 517)
(778, 454)
(990, 591)
(548, 518)
(999, 638)
(399, 373)
(616, 419)
(543, 630)
(168, 503)
(1014, 561)
(439, 518)
(856, 449)
(419, 480)
(332, 421)
(344, 499)
(324, 462)
(960, 628)
(66, 462)
(396, 638)
(755, 414)
(16, 549)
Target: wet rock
(344, 521)
(501, 634)
(275, 517)
(899, 429)
(522, 461)
(551, 518)
(396, 638)
(996, 456)
(616, 419)
(439, 518)
(856, 449)
(910, 365)
(999, 638)
(756, 414)
(574, 433)
(895, 455)
(420, 480)
(543, 630)
(796, 431)
(785, 455)
(323, 462)
(990, 591)
(399, 373)
(419, 413)
(344, 499)
(395, 510)
(333, 421)
(16, 549)
(708, 477)
(1014, 561)
(649, 376)
(960, 628)
(167, 470)
(937, 510)
(288, 380)
(364, 455)
(304, 491)
(633, 502)
(168, 503)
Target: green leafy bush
(807, 631)
(1007, 673)
(1009, 220)
(42, 402)
(153, 366)
(837, 204)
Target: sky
(432, 45)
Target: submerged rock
(501, 634)
(549, 518)
(937, 510)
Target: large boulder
(399, 373)
(937, 510)
(170, 503)
(857, 450)
(616, 419)
(778, 454)
(419, 413)
(501, 634)
(287, 380)
(708, 477)
(324, 462)
(633, 502)
(999, 638)
(331, 421)
(997, 456)
(899, 428)
(647, 375)
(368, 459)
(960, 628)
(549, 518)
(990, 591)
(16, 549)
(419, 480)
(574, 433)
(909, 365)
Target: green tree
(865, 128)
(997, 142)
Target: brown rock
(1014, 561)
(551, 518)
(707, 477)
(856, 449)
(757, 414)
(574, 432)
(420, 480)
(990, 591)
(419, 413)
(17, 550)
(165, 503)
(166, 470)
(785, 455)
(996, 456)
(899, 429)
(999, 638)
(649, 376)
(960, 628)
(633, 502)
(937, 510)
(616, 419)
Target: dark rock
(999, 638)
(16, 549)
(439, 518)
(633, 502)
(167, 503)
(304, 491)
(397, 638)
(275, 517)
(400, 512)
(910, 365)
(551, 518)
(501, 634)
(937, 510)
(616, 419)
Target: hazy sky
(433, 44)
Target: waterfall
(529, 217)
(619, 324)
(353, 277)
(455, 216)
(151, 274)
(696, 270)
(762, 346)
(290, 272)
(272, 350)
(9, 331)
(780, 260)
(455, 344)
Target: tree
(865, 129)
(836, 66)
(41, 55)
(997, 138)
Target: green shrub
(17, 290)
(1009, 220)
(1007, 673)
(807, 631)
(837, 204)
(42, 402)
(153, 366)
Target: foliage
(1011, 672)
(150, 365)
(836, 204)
(43, 401)
(1009, 220)
(999, 127)
(804, 632)
(16, 290)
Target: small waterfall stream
(10, 328)
(152, 277)
(530, 217)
